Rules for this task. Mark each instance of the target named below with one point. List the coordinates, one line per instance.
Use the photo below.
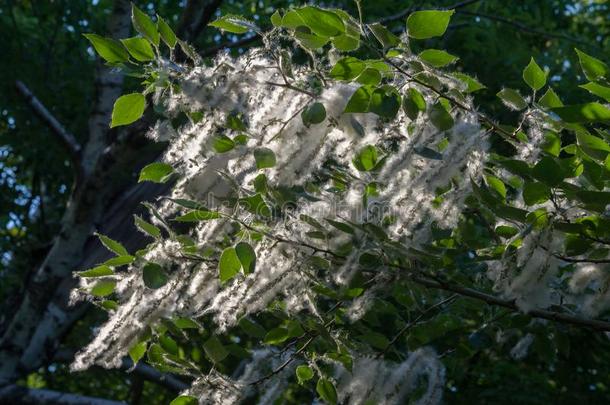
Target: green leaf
(366, 158)
(496, 184)
(137, 352)
(109, 49)
(147, 227)
(472, 84)
(246, 257)
(127, 109)
(347, 68)
(310, 41)
(276, 19)
(144, 25)
(593, 68)
(139, 48)
(437, 57)
(346, 43)
(167, 34)
(222, 144)
(154, 276)
(215, 350)
(157, 172)
(304, 373)
(440, 117)
(586, 140)
(413, 103)
(234, 24)
(512, 99)
(385, 37)
(535, 193)
(326, 390)
(583, 113)
(548, 172)
(264, 158)
(103, 288)
(276, 336)
(369, 76)
(550, 99)
(119, 261)
(229, 264)
(256, 205)
(359, 101)
(185, 400)
(534, 76)
(428, 23)
(321, 22)
(112, 245)
(551, 144)
(385, 102)
(197, 215)
(314, 113)
(598, 90)
(99, 271)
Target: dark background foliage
(43, 46)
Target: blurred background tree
(43, 47)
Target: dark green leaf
(256, 205)
(413, 103)
(326, 390)
(154, 276)
(264, 158)
(535, 193)
(347, 68)
(440, 117)
(512, 99)
(215, 350)
(548, 172)
(314, 113)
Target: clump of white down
(407, 184)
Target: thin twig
(67, 139)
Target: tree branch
(67, 139)
(15, 394)
(598, 325)
(523, 27)
(196, 16)
(142, 369)
(408, 11)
